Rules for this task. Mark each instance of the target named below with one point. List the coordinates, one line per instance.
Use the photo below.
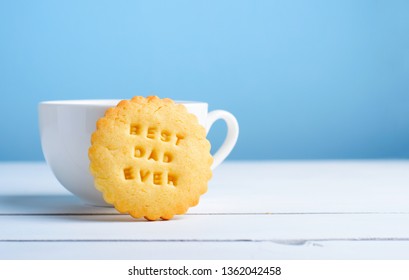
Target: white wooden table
(253, 210)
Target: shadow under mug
(66, 127)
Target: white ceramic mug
(66, 127)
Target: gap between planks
(278, 241)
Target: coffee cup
(66, 127)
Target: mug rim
(102, 102)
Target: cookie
(150, 158)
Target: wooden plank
(360, 192)
(283, 228)
(48, 204)
(28, 178)
(240, 187)
(348, 250)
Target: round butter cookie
(150, 158)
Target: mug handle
(231, 137)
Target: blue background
(306, 79)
